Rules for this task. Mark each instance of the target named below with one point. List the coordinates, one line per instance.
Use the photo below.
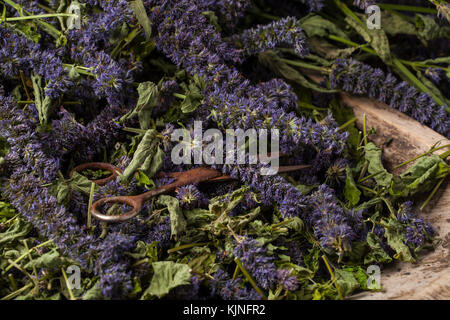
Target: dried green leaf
(376, 38)
(272, 61)
(395, 235)
(143, 156)
(376, 253)
(139, 10)
(373, 156)
(315, 25)
(167, 275)
(43, 102)
(177, 220)
(351, 191)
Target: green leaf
(428, 29)
(62, 189)
(272, 61)
(394, 24)
(177, 220)
(94, 293)
(194, 96)
(148, 99)
(43, 103)
(225, 204)
(198, 217)
(315, 25)
(311, 259)
(7, 210)
(139, 10)
(51, 260)
(26, 29)
(351, 191)
(376, 38)
(420, 177)
(346, 281)
(18, 230)
(153, 164)
(376, 253)
(167, 275)
(373, 156)
(145, 250)
(143, 156)
(395, 235)
(305, 189)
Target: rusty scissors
(183, 178)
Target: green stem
(416, 82)
(179, 95)
(91, 198)
(236, 272)
(422, 155)
(400, 7)
(249, 278)
(346, 10)
(365, 129)
(26, 253)
(187, 246)
(306, 65)
(14, 294)
(333, 278)
(366, 189)
(47, 27)
(349, 122)
(435, 189)
(370, 176)
(41, 16)
(72, 297)
(310, 106)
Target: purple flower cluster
(358, 78)
(286, 31)
(261, 267)
(190, 197)
(223, 286)
(18, 53)
(333, 226)
(417, 230)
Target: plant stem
(249, 278)
(435, 189)
(26, 253)
(41, 16)
(72, 297)
(349, 122)
(179, 95)
(17, 292)
(306, 65)
(187, 246)
(400, 7)
(91, 198)
(333, 278)
(422, 155)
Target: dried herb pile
(116, 88)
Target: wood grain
(429, 278)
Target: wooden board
(429, 278)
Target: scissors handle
(135, 202)
(98, 166)
(196, 175)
